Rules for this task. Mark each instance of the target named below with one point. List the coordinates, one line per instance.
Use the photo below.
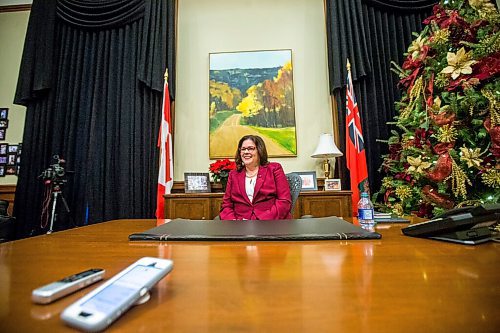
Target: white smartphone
(102, 306)
(55, 290)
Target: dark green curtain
(91, 78)
(371, 33)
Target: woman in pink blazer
(257, 189)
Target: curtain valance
(157, 39)
(402, 5)
(99, 14)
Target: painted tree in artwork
(445, 151)
(270, 103)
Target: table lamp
(326, 149)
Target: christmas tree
(445, 149)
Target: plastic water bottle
(365, 213)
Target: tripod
(56, 193)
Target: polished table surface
(394, 284)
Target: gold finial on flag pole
(166, 74)
(348, 65)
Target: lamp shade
(326, 147)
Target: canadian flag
(166, 170)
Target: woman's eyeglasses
(248, 149)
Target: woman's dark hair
(261, 150)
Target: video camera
(55, 173)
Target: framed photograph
(12, 149)
(11, 159)
(2, 170)
(308, 180)
(10, 170)
(251, 91)
(3, 159)
(3, 148)
(196, 182)
(4, 123)
(4, 113)
(332, 185)
(2, 133)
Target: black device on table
(465, 225)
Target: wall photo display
(4, 113)
(10, 159)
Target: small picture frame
(2, 133)
(3, 159)
(308, 180)
(195, 182)
(4, 113)
(13, 149)
(2, 170)
(11, 159)
(4, 123)
(10, 170)
(3, 148)
(332, 185)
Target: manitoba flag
(355, 147)
(166, 169)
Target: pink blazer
(271, 200)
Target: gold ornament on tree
(447, 133)
(403, 192)
(458, 180)
(471, 157)
(417, 165)
(492, 178)
(459, 63)
(494, 106)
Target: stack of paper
(388, 217)
(379, 215)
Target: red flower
(395, 151)
(445, 18)
(221, 168)
(425, 210)
(422, 137)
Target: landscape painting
(252, 93)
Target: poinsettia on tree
(445, 152)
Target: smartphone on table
(55, 290)
(102, 306)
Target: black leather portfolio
(303, 229)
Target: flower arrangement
(445, 152)
(220, 169)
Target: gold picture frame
(251, 92)
(333, 185)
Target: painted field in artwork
(252, 93)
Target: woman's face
(249, 154)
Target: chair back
(295, 183)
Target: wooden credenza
(205, 206)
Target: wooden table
(395, 284)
